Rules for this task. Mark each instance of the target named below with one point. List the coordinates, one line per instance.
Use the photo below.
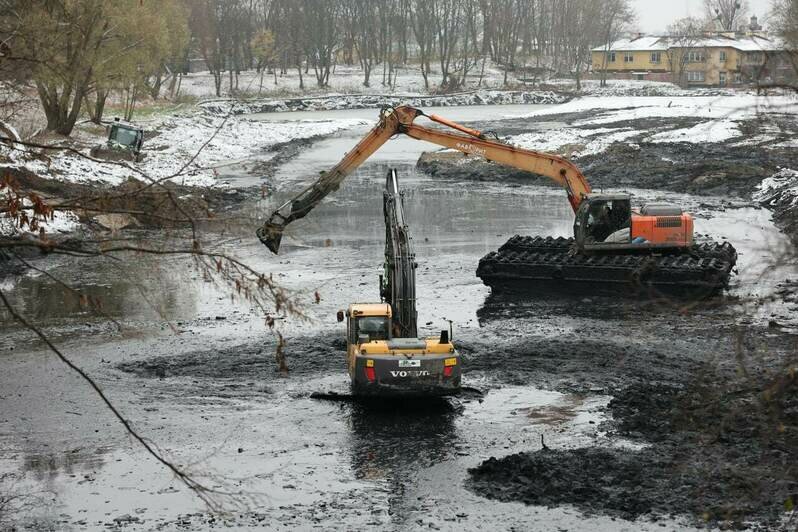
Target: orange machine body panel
(673, 230)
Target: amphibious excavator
(384, 354)
(612, 243)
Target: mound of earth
(719, 452)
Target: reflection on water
(470, 217)
(396, 441)
(49, 466)
(134, 287)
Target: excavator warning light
(370, 374)
(447, 371)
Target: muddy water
(209, 396)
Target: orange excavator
(612, 242)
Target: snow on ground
(61, 222)
(720, 117)
(640, 88)
(711, 131)
(345, 79)
(377, 101)
(182, 141)
(348, 79)
(573, 141)
(181, 138)
(780, 187)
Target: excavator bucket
(271, 234)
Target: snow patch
(198, 142)
(621, 108)
(781, 187)
(705, 132)
(579, 142)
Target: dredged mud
(718, 431)
(716, 169)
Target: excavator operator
(374, 326)
(599, 223)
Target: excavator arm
(401, 120)
(398, 286)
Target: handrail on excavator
(401, 120)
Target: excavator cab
(607, 222)
(603, 220)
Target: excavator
(612, 243)
(384, 354)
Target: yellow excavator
(384, 354)
(612, 243)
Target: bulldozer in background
(123, 144)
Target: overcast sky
(653, 16)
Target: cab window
(375, 326)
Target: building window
(628, 57)
(738, 78)
(656, 57)
(723, 56)
(611, 57)
(696, 56)
(694, 77)
(722, 79)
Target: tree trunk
(217, 82)
(100, 97)
(155, 90)
(61, 114)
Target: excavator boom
(401, 120)
(398, 286)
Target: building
(711, 59)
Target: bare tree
(365, 21)
(206, 28)
(785, 21)
(683, 37)
(322, 20)
(614, 19)
(447, 23)
(503, 21)
(422, 14)
(728, 13)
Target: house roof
(638, 44)
(749, 43)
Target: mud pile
(719, 451)
(619, 482)
(718, 169)
(780, 193)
